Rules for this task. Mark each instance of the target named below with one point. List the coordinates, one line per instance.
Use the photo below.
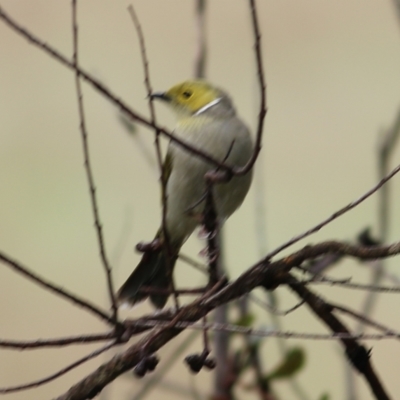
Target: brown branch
(367, 321)
(263, 90)
(88, 169)
(200, 57)
(264, 333)
(345, 283)
(386, 150)
(95, 382)
(269, 275)
(57, 374)
(273, 310)
(335, 215)
(107, 93)
(55, 289)
(357, 354)
(157, 144)
(89, 387)
(60, 342)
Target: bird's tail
(153, 272)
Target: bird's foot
(149, 247)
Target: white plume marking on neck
(207, 106)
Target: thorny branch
(357, 354)
(88, 169)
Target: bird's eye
(186, 94)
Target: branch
(367, 321)
(263, 89)
(55, 289)
(60, 342)
(107, 93)
(345, 283)
(88, 168)
(269, 275)
(163, 177)
(357, 354)
(276, 333)
(335, 215)
(200, 57)
(57, 374)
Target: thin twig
(385, 152)
(200, 57)
(262, 384)
(63, 293)
(108, 94)
(59, 373)
(195, 264)
(273, 310)
(157, 144)
(345, 283)
(335, 215)
(60, 342)
(88, 169)
(276, 333)
(263, 90)
(366, 321)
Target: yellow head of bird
(193, 97)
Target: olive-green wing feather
(167, 167)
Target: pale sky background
(332, 70)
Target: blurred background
(332, 70)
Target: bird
(206, 120)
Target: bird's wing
(167, 166)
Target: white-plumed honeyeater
(207, 120)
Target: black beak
(160, 95)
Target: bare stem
(163, 175)
(60, 342)
(17, 266)
(263, 91)
(57, 374)
(335, 215)
(88, 169)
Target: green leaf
(246, 320)
(292, 363)
(324, 396)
